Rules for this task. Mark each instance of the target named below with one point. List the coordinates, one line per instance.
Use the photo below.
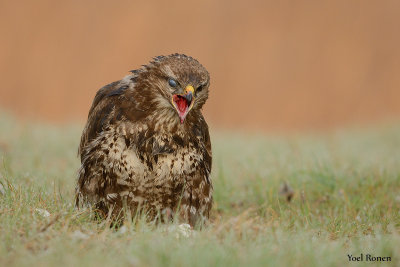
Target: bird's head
(178, 83)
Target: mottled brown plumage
(146, 144)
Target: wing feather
(207, 152)
(100, 112)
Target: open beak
(183, 103)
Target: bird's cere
(190, 89)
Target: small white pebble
(183, 230)
(122, 230)
(42, 212)
(79, 235)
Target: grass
(346, 201)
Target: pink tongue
(181, 105)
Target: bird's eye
(172, 82)
(200, 88)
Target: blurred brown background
(275, 65)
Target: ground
(346, 202)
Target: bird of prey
(146, 145)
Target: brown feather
(135, 150)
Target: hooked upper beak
(189, 92)
(183, 103)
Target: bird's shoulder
(110, 106)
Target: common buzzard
(146, 145)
